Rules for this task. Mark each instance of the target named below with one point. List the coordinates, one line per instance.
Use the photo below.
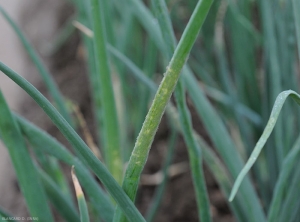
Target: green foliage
(237, 71)
(26, 172)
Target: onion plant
(234, 63)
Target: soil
(179, 204)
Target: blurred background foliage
(247, 52)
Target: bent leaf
(263, 139)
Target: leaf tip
(78, 190)
(231, 197)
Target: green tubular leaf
(51, 85)
(165, 90)
(30, 185)
(78, 144)
(62, 204)
(195, 153)
(41, 140)
(263, 139)
(289, 163)
(112, 145)
(84, 216)
(84, 213)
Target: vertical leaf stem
(194, 150)
(112, 151)
(144, 140)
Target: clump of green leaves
(232, 93)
